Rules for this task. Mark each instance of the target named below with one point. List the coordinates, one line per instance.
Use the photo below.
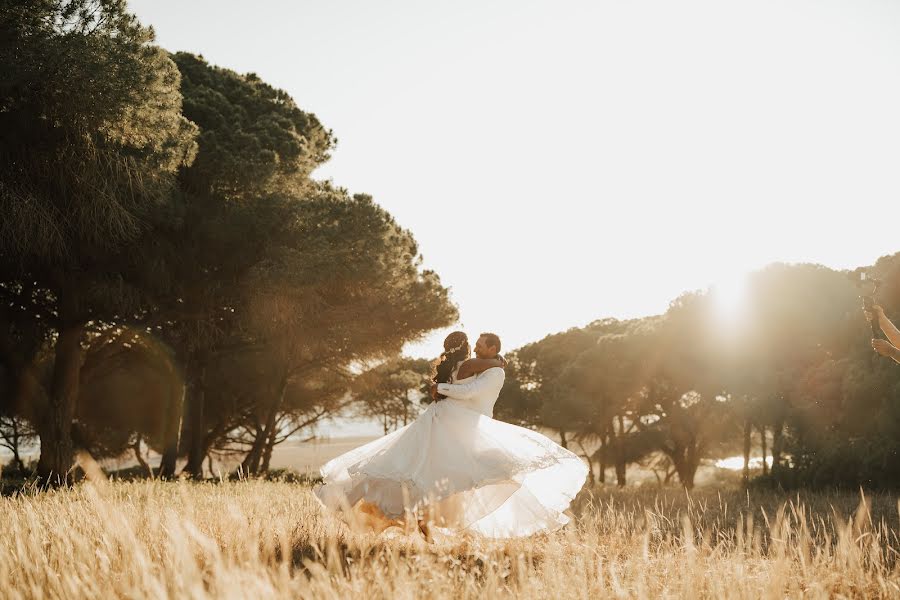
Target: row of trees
(794, 365)
(169, 272)
(789, 372)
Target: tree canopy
(688, 385)
(160, 234)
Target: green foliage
(93, 131)
(537, 368)
(336, 282)
(148, 197)
(93, 138)
(392, 392)
(342, 276)
(253, 137)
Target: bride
(455, 468)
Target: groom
(485, 385)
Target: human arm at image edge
(890, 330)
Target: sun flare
(729, 296)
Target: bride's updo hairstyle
(456, 350)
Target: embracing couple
(456, 469)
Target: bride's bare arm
(474, 366)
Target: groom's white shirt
(482, 391)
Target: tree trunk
(604, 444)
(267, 453)
(748, 431)
(562, 439)
(590, 461)
(692, 462)
(685, 472)
(57, 452)
(763, 441)
(140, 458)
(196, 450)
(17, 460)
(171, 432)
(777, 446)
(685, 459)
(167, 464)
(687, 478)
(621, 466)
(670, 472)
(620, 472)
(254, 457)
(250, 464)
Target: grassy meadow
(270, 539)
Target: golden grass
(257, 539)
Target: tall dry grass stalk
(256, 539)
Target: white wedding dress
(470, 472)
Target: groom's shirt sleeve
(488, 383)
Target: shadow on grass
(14, 482)
(340, 556)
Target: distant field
(302, 457)
(257, 539)
(308, 456)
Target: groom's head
(487, 346)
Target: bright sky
(564, 161)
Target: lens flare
(729, 296)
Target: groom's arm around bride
(487, 384)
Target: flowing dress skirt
(468, 471)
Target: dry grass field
(263, 539)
